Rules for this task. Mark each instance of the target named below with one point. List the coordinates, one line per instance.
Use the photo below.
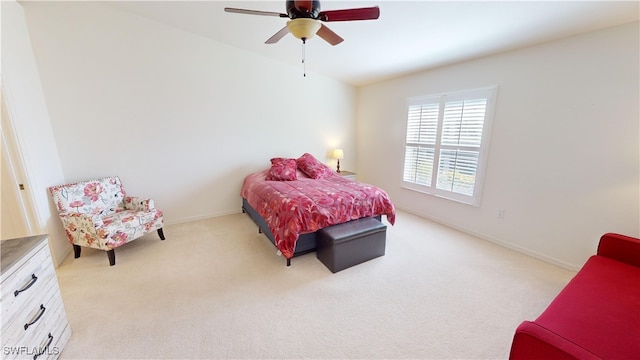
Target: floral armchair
(99, 214)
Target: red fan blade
(255, 12)
(370, 13)
(277, 36)
(329, 36)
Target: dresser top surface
(14, 249)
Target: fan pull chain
(304, 65)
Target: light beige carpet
(216, 289)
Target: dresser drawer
(49, 346)
(61, 338)
(33, 319)
(30, 284)
(60, 331)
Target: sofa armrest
(82, 220)
(85, 230)
(532, 341)
(621, 248)
(138, 203)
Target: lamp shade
(303, 28)
(338, 154)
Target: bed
(289, 211)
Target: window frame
(490, 93)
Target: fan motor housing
(305, 9)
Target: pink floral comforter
(291, 208)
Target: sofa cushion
(125, 226)
(599, 309)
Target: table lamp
(338, 154)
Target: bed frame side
(306, 242)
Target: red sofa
(596, 315)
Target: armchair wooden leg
(161, 234)
(76, 251)
(112, 257)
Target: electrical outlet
(500, 213)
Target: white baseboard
(202, 217)
(501, 242)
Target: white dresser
(34, 323)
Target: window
(447, 138)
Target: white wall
(28, 112)
(183, 119)
(564, 157)
(180, 118)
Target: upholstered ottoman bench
(344, 245)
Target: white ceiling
(409, 36)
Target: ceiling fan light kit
(303, 28)
(306, 19)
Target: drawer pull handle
(31, 282)
(44, 349)
(41, 312)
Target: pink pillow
(312, 167)
(282, 170)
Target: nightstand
(348, 174)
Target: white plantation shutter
(422, 130)
(463, 122)
(447, 130)
(457, 171)
(418, 165)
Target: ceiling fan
(306, 19)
